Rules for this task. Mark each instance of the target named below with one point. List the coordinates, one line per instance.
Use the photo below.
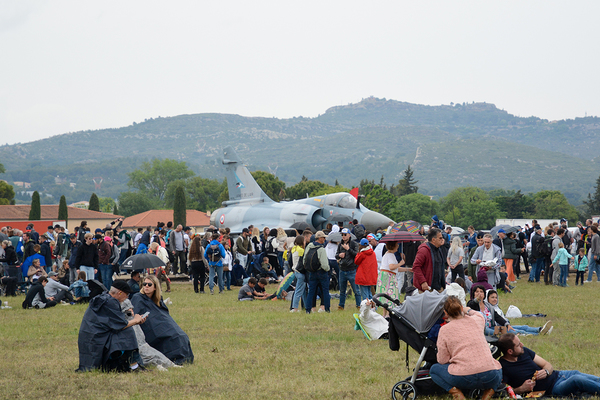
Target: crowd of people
(59, 267)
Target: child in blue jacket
(563, 256)
(581, 263)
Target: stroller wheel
(404, 390)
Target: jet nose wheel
(404, 390)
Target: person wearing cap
(320, 279)
(50, 233)
(499, 241)
(57, 290)
(366, 272)
(536, 267)
(243, 247)
(346, 253)
(105, 342)
(377, 247)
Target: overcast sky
(68, 66)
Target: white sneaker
(546, 328)
(588, 281)
(294, 310)
(549, 330)
(321, 310)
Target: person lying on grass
(527, 372)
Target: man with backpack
(537, 245)
(317, 265)
(122, 238)
(214, 253)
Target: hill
(448, 145)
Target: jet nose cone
(373, 220)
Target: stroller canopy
(422, 310)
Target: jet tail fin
(240, 183)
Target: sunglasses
(148, 284)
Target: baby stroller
(411, 322)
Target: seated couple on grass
(255, 290)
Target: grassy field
(259, 349)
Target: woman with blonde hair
(160, 329)
(455, 258)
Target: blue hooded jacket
(221, 249)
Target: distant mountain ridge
(449, 145)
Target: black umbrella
(142, 261)
(96, 287)
(302, 226)
(402, 236)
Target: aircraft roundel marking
(222, 219)
(330, 212)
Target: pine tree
(179, 207)
(94, 203)
(116, 210)
(63, 211)
(406, 185)
(593, 201)
(36, 209)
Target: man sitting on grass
(104, 338)
(527, 372)
(248, 291)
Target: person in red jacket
(366, 273)
(428, 268)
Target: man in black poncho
(104, 338)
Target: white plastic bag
(513, 312)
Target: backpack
(544, 247)
(311, 261)
(116, 254)
(289, 258)
(214, 253)
(359, 232)
(269, 245)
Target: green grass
(259, 349)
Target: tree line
(170, 184)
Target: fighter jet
(249, 205)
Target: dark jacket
(28, 249)
(10, 255)
(46, 252)
(510, 249)
(347, 263)
(534, 244)
(104, 253)
(87, 255)
(36, 288)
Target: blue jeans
(483, 380)
(107, 273)
(523, 329)
(536, 269)
(318, 279)
(211, 276)
(564, 273)
(571, 382)
(345, 277)
(89, 272)
(300, 291)
(227, 277)
(593, 266)
(365, 292)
